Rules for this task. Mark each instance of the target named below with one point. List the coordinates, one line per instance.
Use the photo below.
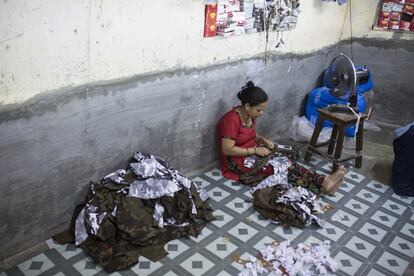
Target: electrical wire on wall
(350, 27)
(348, 6)
(280, 16)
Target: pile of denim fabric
(135, 212)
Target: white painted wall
(46, 44)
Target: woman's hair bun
(249, 84)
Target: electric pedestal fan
(342, 78)
(343, 88)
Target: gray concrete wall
(392, 66)
(53, 145)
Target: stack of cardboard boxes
(396, 15)
(234, 17)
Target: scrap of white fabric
(304, 202)
(283, 259)
(280, 166)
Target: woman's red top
(231, 126)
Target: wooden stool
(340, 122)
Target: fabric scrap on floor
(283, 259)
(135, 212)
(275, 199)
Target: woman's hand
(267, 143)
(262, 151)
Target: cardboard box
(210, 26)
(387, 7)
(394, 25)
(404, 25)
(395, 16)
(409, 9)
(383, 23)
(397, 7)
(384, 14)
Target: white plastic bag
(301, 130)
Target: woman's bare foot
(332, 182)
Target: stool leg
(338, 148)
(314, 138)
(333, 139)
(359, 140)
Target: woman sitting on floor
(237, 139)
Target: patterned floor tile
(222, 247)
(218, 194)
(223, 273)
(145, 267)
(346, 187)
(403, 246)
(290, 233)
(384, 219)
(344, 218)
(170, 273)
(315, 160)
(331, 231)
(214, 174)
(304, 165)
(313, 241)
(321, 172)
(87, 267)
(238, 205)
(221, 218)
(36, 265)
(201, 182)
(408, 229)
(197, 264)
(367, 195)
(347, 264)
(360, 246)
(248, 194)
(374, 272)
(327, 166)
(175, 248)
(264, 242)
(354, 176)
(378, 186)
(338, 196)
(243, 232)
(233, 184)
(357, 206)
(204, 234)
(257, 218)
(394, 207)
(240, 267)
(373, 232)
(405, 199)
(67, 250)
(63, 274)
(392, 263)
